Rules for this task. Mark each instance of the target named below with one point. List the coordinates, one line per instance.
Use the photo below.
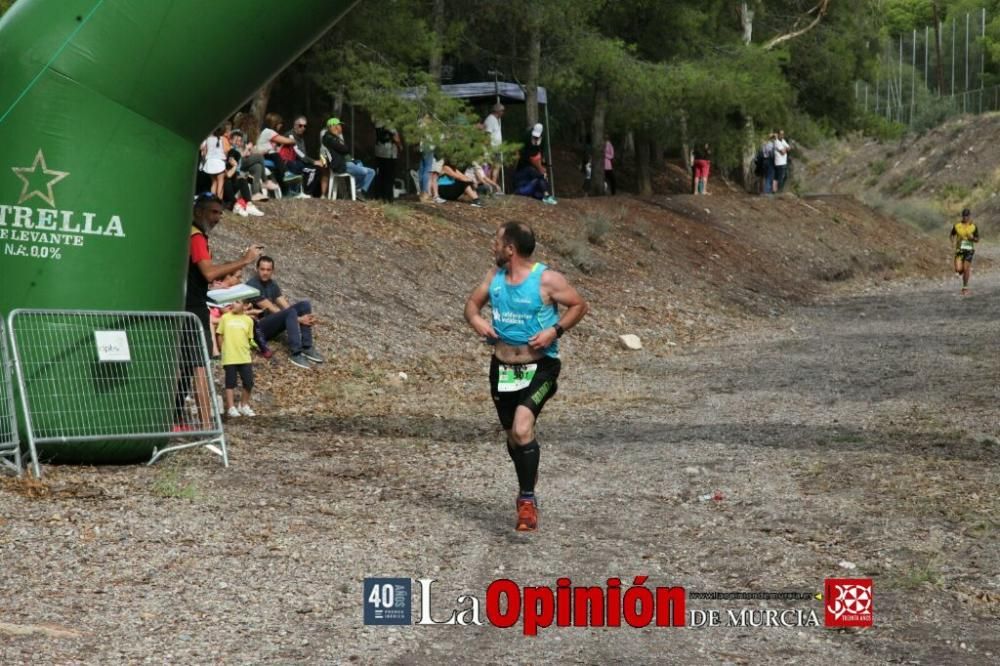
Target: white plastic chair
(331, 189)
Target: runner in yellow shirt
(964, 236)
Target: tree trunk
(746, 21)
(685, 141)
(437, 43)
(534, 65)
(338, 101)
(937, 50)
(628, 144)
(819, 10)
(258, 107)
(749, 152)
(642, 167)
(597, 137)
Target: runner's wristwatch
(559, 330)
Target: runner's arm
(561, 292)
(474, 305)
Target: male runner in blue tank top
(525, 297)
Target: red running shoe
(527, 515)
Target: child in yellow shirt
(236, 330)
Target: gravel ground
(853, 438)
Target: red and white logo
(848, 602)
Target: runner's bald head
(520, 236)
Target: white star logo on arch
(47, 178)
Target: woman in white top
(213, 161)
(270, 142)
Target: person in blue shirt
(526, 325)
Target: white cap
(536, 131)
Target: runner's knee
(523, 429)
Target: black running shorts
(513, 384)
(965, 255)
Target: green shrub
(931, 113)
(953, 192)
(918, 213)
(394, 212)
(806, 130)
(577, 251)
(907, 186)
(169, 483)
(880, 128)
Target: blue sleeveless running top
(518, 310)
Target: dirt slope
(936, 174)
(391, 281)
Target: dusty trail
(860, 431)
(837, 436)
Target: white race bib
(966, 245)
(515, 377)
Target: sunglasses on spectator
(300, 124)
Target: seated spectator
(213, 161)
(278, 316)
(453, 185)
(340, 154)
(269, 143)
(300, 163)
(484, 183)
(252, 162)
(529, 177)
(237, 188)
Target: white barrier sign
(112, 346)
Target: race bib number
(515, 377)
(966, 245)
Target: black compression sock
(510, 451)
(526, 464)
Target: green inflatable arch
(103, 104)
